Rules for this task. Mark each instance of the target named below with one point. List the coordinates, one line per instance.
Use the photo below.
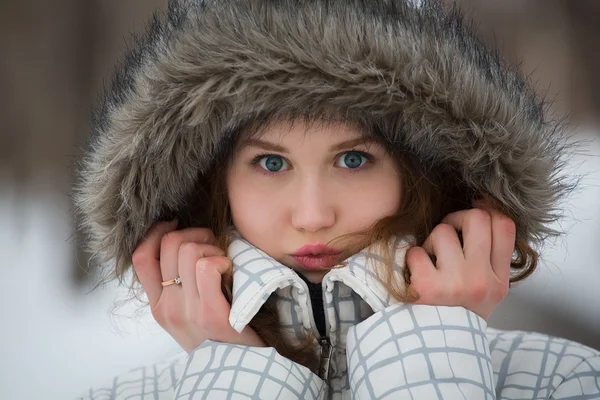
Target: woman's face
(296, 186)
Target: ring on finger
(176, 281)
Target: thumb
(210, 272)
(209, 276)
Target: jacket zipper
(324, 341)
(325, 358)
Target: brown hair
(428, 196)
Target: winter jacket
(374, 348)
(417, 76)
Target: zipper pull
(325, 358)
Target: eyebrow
(336, 147)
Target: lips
(315, 250)
(317, 256)
(316, 262)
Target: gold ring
(176, 281)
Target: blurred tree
(55, 57)
(555, 41)
(583, 18)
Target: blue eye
(272, 163)
(352, 160)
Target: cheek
(376, 198)
(254, 214)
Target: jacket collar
(256, 276)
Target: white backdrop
(56, 340)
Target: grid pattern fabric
(530, 365)
(156, 382)
(350, 295)
(217, 370)
(380, 349)
(345, 308)
(421, 352)
(256, 277)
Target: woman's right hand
(196, 310)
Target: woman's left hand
(475, 275)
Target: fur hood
(208, 68)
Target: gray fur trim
(209, 67)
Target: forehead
(319, 132)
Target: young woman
(351, 187)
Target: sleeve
(532, 365)
(155, 381)
(583, 382)
(216, 370)
(224, 370)
(409, 351)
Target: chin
(313, 276)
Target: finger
(145, 260)
(172, 241)
(419, 263)
(221, 263)
(503, 245)
(476, 227)
(443, 242)
(189, 254)
(422, 272)
(209, 276)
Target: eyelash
(260, 156)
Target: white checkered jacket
(378, 348)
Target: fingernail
(201, 265)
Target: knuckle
(416, 258)
(210, 236)
(139, 258)
(170, 239)
(218, 262)
(478, 291)
(412, 256)
(458, 290)
(207, 263)
(508, 225)
(197, 319)
(479, 216)
(435, 292)
(202, 235)
(174, 318)
(443, 229)
(187, 249)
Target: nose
(313, 207)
